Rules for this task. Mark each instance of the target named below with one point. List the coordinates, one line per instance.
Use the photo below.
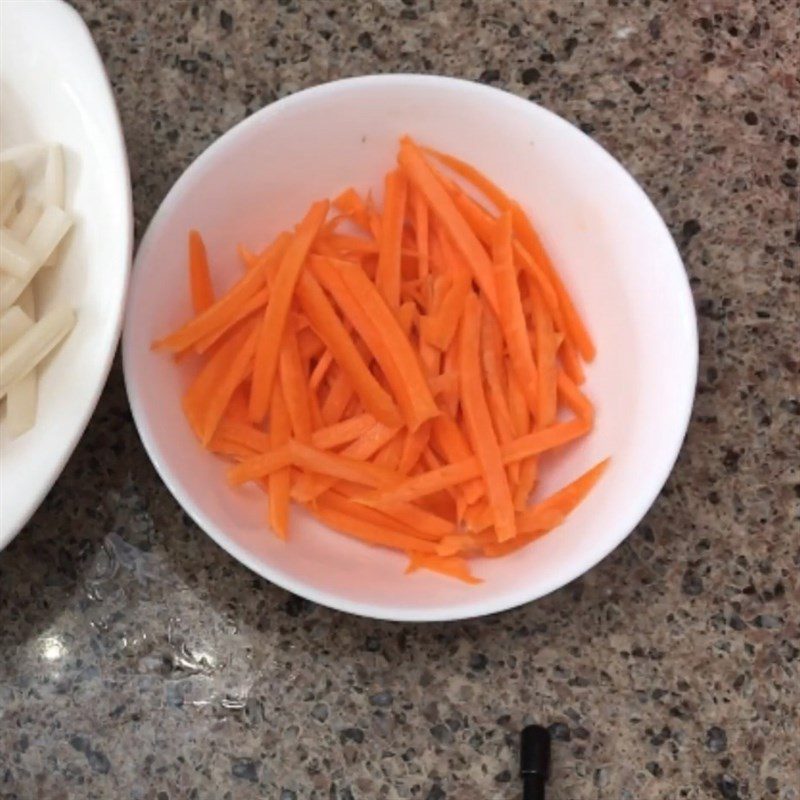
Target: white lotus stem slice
(23, 156)
(27, 301)
(46, 234)
(22, 399)
(16, 258)
(11, 188)
(39, 340)
(21, 404)
(26, 218)
(12, 325)
(54, 188)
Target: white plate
(607, 239)
(54, 88)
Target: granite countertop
(138, 660)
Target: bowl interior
(54, 88)
(607, 240)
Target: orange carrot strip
(426, 180)
(421, 229)
(413, 446)
(244, 434)
(550, 512)
(339, 394)
(199, 276)
(568, 498)
(236, 410)
(451, 566)
(439, 328)
(280, 480)
(459, 472)
(387, 278)
(342, 432)
(450, 365)
(294, 384)
(478, 421)
(406, 316)
(574, 397)
(309, 343)
(311, 486)
(517, 404)
(546, 359)
(228, 306)
(316, 414)
(571, 361)
(320, 368)
(491, 344)
(341, 243)
(525, 231)
(331, 330)
(312, 459)
(254, 304)
(535, 519)
(473, 176)
(452, 444)
(277, 310)
(403, 519)
(350, 203)
(260, 466)
(239, 368)
(532, 243)
(512, 317)
(374, 321)
(484, 224)
(324, 462)
(388, 456)
(196, 397)
(528, 475)
(368, 531)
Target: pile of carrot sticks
(398, 371)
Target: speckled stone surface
(137, 660)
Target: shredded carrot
(478, 421)
(280, 480)
(451, 566)
(277, 310)
(546, 359)
(369, 532)
(426, 181)
(460, 472)
(398, 370)
(228, 306)
(220, 395)
(380, 329)
(421, 230)
(331, 330)
(199, 276)
(387, 278)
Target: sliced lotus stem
(34, 345)
(13, 324)
(23, 156)
(11, 188)
(27, 301)
(54, 188)
(25, 220)
(46, 234)
(16, 258)
(22, 399)
(21, 404)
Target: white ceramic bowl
(54, 88)
(609, 242)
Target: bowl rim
(117, 308)
(467, 610)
